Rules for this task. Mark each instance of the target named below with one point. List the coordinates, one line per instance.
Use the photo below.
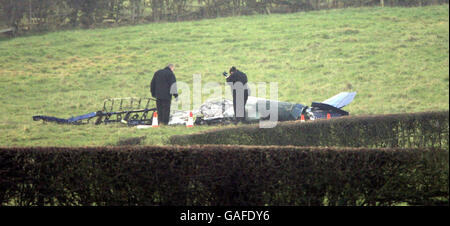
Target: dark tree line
(40, 15)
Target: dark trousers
(236, 102)
(163, 107)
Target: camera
(225, 74)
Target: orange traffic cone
(190, 122)
(328, 116)
(302, 118)
(155, 119)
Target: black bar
(230, 215)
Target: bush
(429, 129)
(56, 15)
(223, 176)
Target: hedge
(42, 15)
(222, 176)
(428, 129)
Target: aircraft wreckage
(137, 111)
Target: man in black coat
(238, 82)
(163, 87)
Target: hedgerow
(428, 129)
(223, 176)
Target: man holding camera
(163, 87)
(240, 90)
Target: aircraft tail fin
(340, 100)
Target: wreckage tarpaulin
(286, 111)
(65, 121)
(221, 111)
(341, 100)
(216, 110)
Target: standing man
(163, 87)
(238, 82)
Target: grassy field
(397, 59)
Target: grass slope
(397, 59)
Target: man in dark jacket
(163, 87)
(238, 82)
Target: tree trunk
(133, 11)
(156, 10)
(29, 16)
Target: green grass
(397, 59)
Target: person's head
(233, 69)
(171, 67)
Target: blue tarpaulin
(72, 120)
(341, 100)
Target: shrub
(223, 176)
(429, 129)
